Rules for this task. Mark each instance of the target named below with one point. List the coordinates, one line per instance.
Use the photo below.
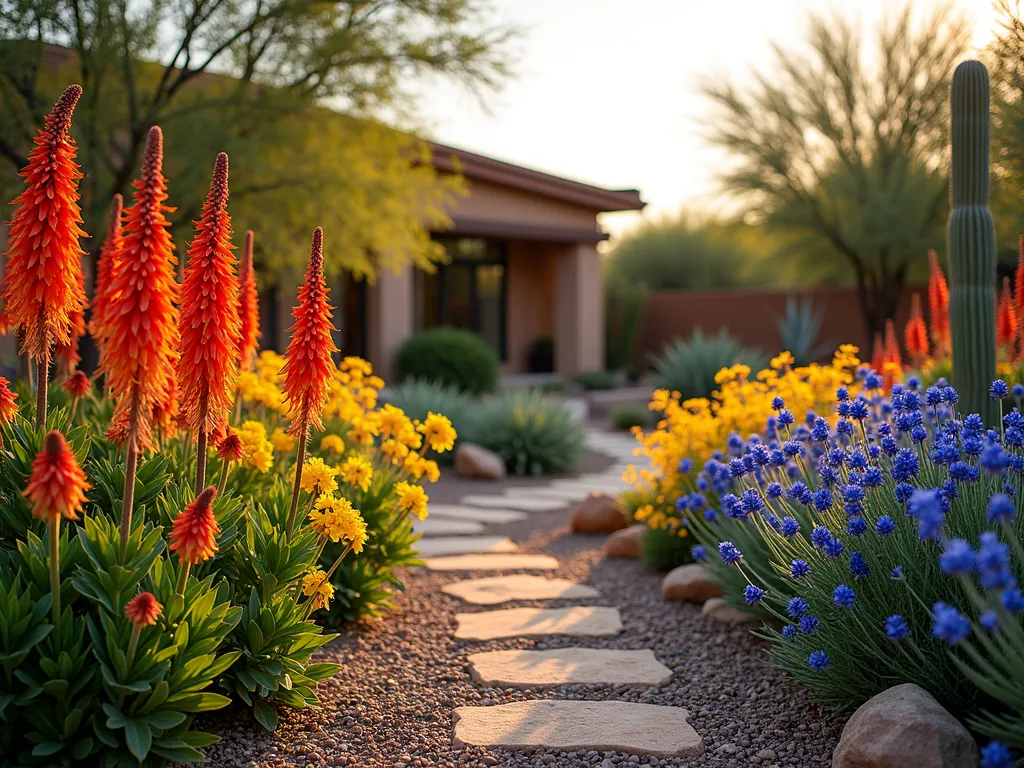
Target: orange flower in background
(109, 255)
(42, 287)
(231, 448)
(143, 610)
(57, 484)
(1006, 320)
(938, 305)
(308, 368)
(78, 384)
(915, 335)
(248, 308)
(209, 324)
(8, 402)
(194, 531)
(877, 353)
(140, 320)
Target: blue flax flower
(820, 536)
(1013, 600)
(685, 465)
(896, 627)
(926, 506)
(819, 661)
(1000, 508)
(753, 594)
(958, 558)
(729, 553)
(809, 623)
(896, 573)
(790, 527)
(856, 526)
(885, 525)
(789, 631)
(799, 568)
(698, 553)
(797, 607)
(833, 548)
(950, 625)
(998, 389)
(843, 596)
(989, 620)
(859, 567)
(996, 755)
(993, 562)
(778, 403)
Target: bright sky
(606, 90)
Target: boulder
(476, 461)
(904, 726)
(689, 584)
(598, 513)
(625, 542)
(717, 609)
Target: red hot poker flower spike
(140, 321)
(42, 287)
(194, 531)
(8, 402)
(308, 366)
(110, 253)
(57, 484)
(915, 335)
(1006, 320)
(209, 324)
(78, 384)
(938, 304)
(143, 610)
(248, 307)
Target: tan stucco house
(523, 265)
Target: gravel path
(391, 703)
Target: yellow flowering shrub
(694, 429)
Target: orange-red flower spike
(110, 253)
(1006, 320)
(209, 324)
(143, 610)
(78, 384)
(938, 304)
(57, 484)
(915, 335)
(194, 531)
(308, 366)
(248, 307)
(42, 287)
(8, 402)
(140, 320)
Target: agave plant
(689, 367)
(799, 329)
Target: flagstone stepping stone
(578, 621)
(642, 729)
(501, 589)
(521, 503)
(565, 666)
(441, 527)
(436, 546)
(567, 494)
(459, 512)
(492, 562)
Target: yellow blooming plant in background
(694, 429)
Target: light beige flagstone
(578, 621)
(547, 492)
(460, 512)
(438, 526)
(492, 562)
(436, 546)
(522, 586)
(512, 501)
(564, 666)
(644, 729)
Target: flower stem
(133, 643)
(201, 460)
(43, 380)
(54, 529)
(74, 409)
(225, 464)
(182, 577)
(296, 487)
(131, 464)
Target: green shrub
(450, 356)
(533, 433)
(418, 398)
(629, 415)
(593, 381)
(663, 549)
(799, 329)
(689, 366)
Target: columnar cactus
(970, 242)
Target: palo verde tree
(844, 146)
(253, 78)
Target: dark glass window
(466, 292)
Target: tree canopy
(254, 78)
(844, 146)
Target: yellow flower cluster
(261, 385)
(412, 499)
(693, 429)
(316, 585)
(318, 477)
(357, 471)
(257, 451)
(338, 520)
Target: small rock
(716, 608)
(689, 584)
(476, 461)
(904, 726)
(766, 754)
(625, 542)
(598, 513)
